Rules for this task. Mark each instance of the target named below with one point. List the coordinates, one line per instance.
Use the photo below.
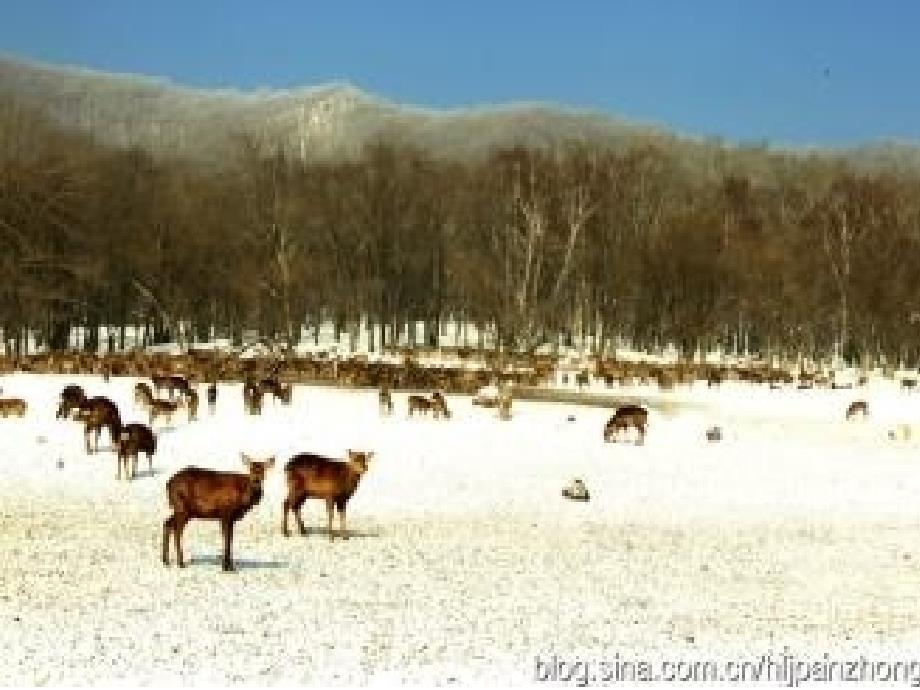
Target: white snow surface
(465, 563)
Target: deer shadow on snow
(241, 563)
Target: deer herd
(196, 493)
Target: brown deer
(13, 406)
(132, 440)
(858, 407)
(315, 476)
(71, 397)
(439, 406)
(279, 391)
(582, 379)
(154, 406)
(627, 416)
(191, 402)
(385, 399)
(252, 397)
(98, 413)
(201, 494)
(419, 403)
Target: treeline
(748, 249)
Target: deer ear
(245, 458)
(369, 455)
(271, 462)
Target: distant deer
(191, 402)
(279, 391)
(627, 416)
(385, 399)
(252, 397)
(154, 406)
(212, 397)
(98, 413)
(419, 403)
(859, 407)
(439, 406)
(582, 379)
(200, 494)
(71, 397)
(132, 440)
(12, 406)
(315, 476)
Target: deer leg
(284, 524)
(297, 508)
(133, 466)
(168, 526)
(177, 533)
(227, 529)
(342, 531)
(330, 509)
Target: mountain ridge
(338, 118)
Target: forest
(773, 253)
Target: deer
(98, 413)
(212, 397)
(419, 403)
(385, 398)
(132, 440)
(252, 397)
(71, 397)
(202, 494)
(279, 390)
(627, 416)
(13, 406)
(858, 407)
(155, 407)
(439, 405)
(191, 402)
(314, 476)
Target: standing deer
(200, 494)
(315, 476)
(132, 440)
(98, 413)
(385, 398)
(212, 397)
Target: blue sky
(787, 71)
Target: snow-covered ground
(799, 530)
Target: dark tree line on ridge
(744, 248)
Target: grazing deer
(12, 406)
(71, 398)
(315, 476)
(132, 440)
(98, 413)
(155, 407)
(212, 397)
(419, 403)
(858, 407)
(200, 494)
(627, 416)
(386, 399)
